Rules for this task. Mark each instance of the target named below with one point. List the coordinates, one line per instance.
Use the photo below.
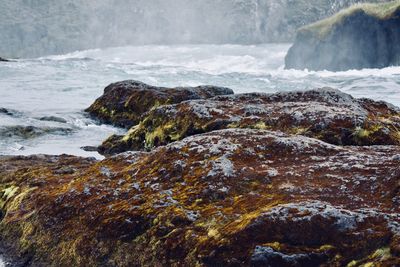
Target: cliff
(35, 28)
(363, 36)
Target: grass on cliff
(381, 11)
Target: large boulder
(363, 36)
(123, 103)
(236, 197)
(326, 114)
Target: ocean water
(64, 85)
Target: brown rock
(325, 114)
(123, 103)
(235, 197)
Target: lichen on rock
(325, 114)
(207, 200)
(123, 103)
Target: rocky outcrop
(123, 103)
(53, 119)
(325, 114)
(235, 197)
(363, 36)
(25, 31)
(216, 180)
(6, 112)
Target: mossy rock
(362, 36)
(325, 114)
(123, 103)
(235, 197)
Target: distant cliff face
(30, 28)
(363, 36)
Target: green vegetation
(380, 11)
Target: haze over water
(64, 85)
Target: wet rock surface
(232, 197)
(5, 111)
(307, 178)
(363, 36)
(123, 103)
(53, 119)
(326, 114)
(9, 112)
(29, 132)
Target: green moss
(274, 245)
(104, 111)
(326, 247)
(131, 133)
(233, 125)
(162, 134)
(6, 194)
(364, 133)
(299, 130)
(381, 254)
(352, 264)
(157, 104)
(261, 126)
(381, 11)
(361, 133)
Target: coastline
(60, 210)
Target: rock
(124, 103)
(234, 22)
(363, 36)
(6, 111)
(207, 200)
(53, 118)
(89, 148)
(11, 112)
(28, 132)
(325, 114)
(266, 256)
(3, 60)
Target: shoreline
(73, 211)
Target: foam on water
(64, 85)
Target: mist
(31, 28)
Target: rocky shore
(326, 114)
(362, 36)
(123, 103)
(209, 178)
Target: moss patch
(380, 11)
